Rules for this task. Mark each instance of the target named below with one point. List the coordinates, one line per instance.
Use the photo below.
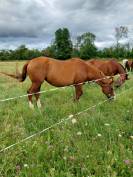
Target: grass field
(96, 143)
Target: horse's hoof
(75, 100)
(112, 98)
(31, 106)
(39, 104)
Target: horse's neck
(98, 77)
(101, 79)
(95, 74)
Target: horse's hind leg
(79, 92)
(34, 89)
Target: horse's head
(123, 75)
(121, 80)
(107, 87)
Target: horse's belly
(60, 81)
(63, 76)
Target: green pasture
(96, 143)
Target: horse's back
(108, 66)
(57, 72)
(69, 71)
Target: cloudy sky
(33, 22)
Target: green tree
(49, 51)
(75, 52)
(63, 44)
(88, 51)
(86, 46)
(120, 32)
(121, 50)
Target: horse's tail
(19, 76)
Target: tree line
(63, 47)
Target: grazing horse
(111, 68)
(128, 64)
(61, 73)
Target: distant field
(98, 144)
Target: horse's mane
(122, 66)
(124, 70)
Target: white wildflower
(99, 135)
(109, 152)
(79, 133)
(64, 158)
(71, 115)
(86, 124)
(106, 124)
(66, 149)
(25, 165)
(120, 135)
(131, 137)
(74, 121)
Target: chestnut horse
(111, 68)
(128, 64)
(61, 73)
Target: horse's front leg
(39, 105)
(78, 92)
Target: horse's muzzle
(111, 98)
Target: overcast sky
(33, 22)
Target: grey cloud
(12, 43)
(104, 5)
(26, 18)
(34, 22)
